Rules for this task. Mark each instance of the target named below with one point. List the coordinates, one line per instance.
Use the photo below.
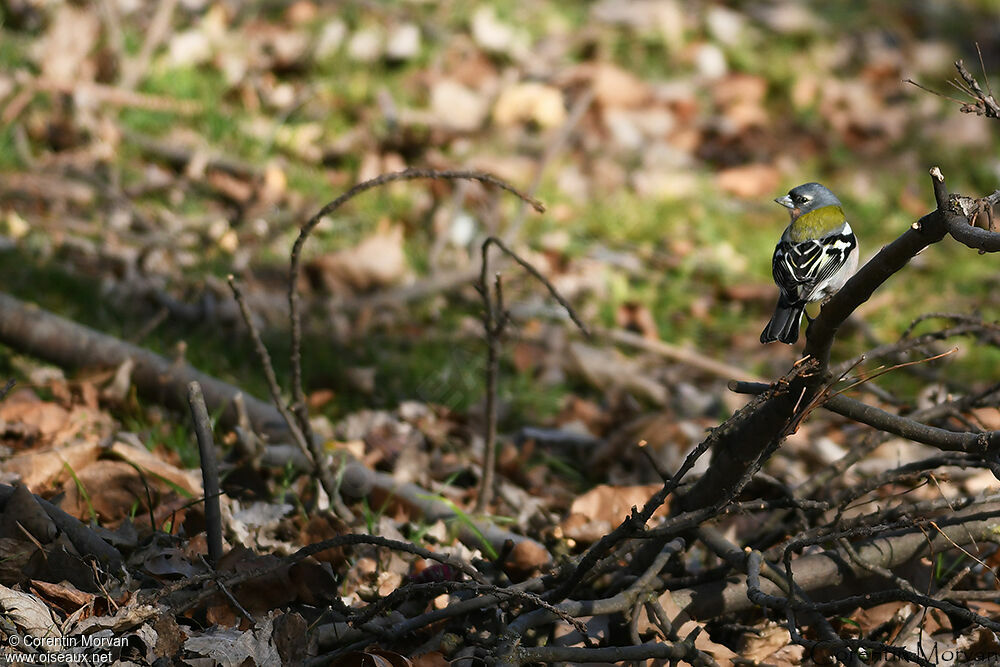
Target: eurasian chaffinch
(814, 258)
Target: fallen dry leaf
(614, 503)
(108, 489)
(751, 181)
(68, 41)
(45, 417)
(530, 102)
(41, 471)
(377, 261)
(637, 317)
(613, 87)
(190, 481)
(66, 596)
(760, 644)
(525, 559)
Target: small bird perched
(814, 258)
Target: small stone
(365, 45)
(403, 42)
(456, 106)
(710, 61)
(725, 25)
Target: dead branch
(159, 28)
(431, 509)
(684, 356)
(85, 540)
(269, 375)
(119, 97)
(556, 146)
(57, 340)
(610, 654)
(300, 555)
(985, 104)
(961, 441)
(832, 569)
(179, 156)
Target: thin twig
(306, 444)
(159, 27)
(209, 471)
(269, 376)
(6, 388)
(527, 266)
(494, 323)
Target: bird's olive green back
(816, 224)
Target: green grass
(9, 160)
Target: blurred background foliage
(147, 149)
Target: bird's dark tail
(784, 324)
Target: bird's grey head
(807, 197)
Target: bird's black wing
(799, 268)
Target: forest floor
(148, 151)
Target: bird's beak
(785, 201)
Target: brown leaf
(15, 555)
(66, 596)
(433, 659)
(614, 503)
(530, 102)
(147, 461)
(703, 642)
(879, 615)
(613, 86)
(988, 418)
(314, 584)
(377, 261)
(525, 559)
(760, 645)
(749, 181)
(634, 316)
(324, 526)
(110, 489)
(70, 38)
(457, 107)
(40, 471)
(261, 594)
(579, 528)
(527, 355)
(47, 418)
(235, 189)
